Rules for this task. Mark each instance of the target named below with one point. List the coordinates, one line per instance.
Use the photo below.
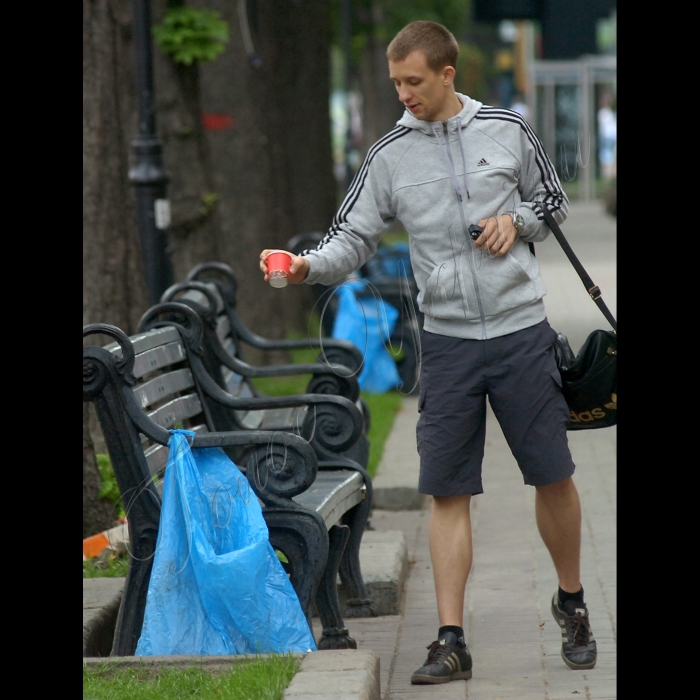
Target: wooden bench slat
(159, 357)
(235, 384)
(163, 387)
(148, 340)
(223, 331)
(283, 418)
(179, 409)
(332, 494)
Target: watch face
(519, 222)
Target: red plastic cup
(278, 264)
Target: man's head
(422, 59)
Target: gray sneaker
(578, 647)
(446, 662)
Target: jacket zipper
(472, 266)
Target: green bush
(109, 491)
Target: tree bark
(97, 514)
(113, 287)
(195, 228)
(381, 108)
(273, 168)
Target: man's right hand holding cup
(298, 268)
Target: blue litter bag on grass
(217, 586)
(368, 323)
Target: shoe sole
(570, 664)
(433, 680)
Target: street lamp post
(147, 174)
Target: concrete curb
(384, 562)
(347, 674)
(101, 600)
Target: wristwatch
(518, 221)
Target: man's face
(427, 94)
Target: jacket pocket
(446, 294)
(504, 284)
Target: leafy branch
(189, 34)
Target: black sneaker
(446, 662)
(578, 647)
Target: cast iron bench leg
(334, 635)
(305, 543)
(359, 603)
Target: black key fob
(475, 231)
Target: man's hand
(498, 235)
(298, 269)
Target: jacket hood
(470, 108)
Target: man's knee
(564, 489)
(451, 502)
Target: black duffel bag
(589, 379)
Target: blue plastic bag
(368, 323)
(217, 586)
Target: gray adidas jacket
(437, 178)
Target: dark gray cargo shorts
(518, 373)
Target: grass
(383, 409)
(259, 679)
(106, 565)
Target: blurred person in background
(520, 106)
(607, 135)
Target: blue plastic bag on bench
(368, 321)
(217, 586)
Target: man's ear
(448, 75)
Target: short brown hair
(437, 42)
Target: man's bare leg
(450, 537)
(558, 513)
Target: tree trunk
(273, 166)
(381, 108)
(113, 286)
(195, 228)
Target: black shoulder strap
(591, 288)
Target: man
(452, 162)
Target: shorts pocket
(557, 379)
